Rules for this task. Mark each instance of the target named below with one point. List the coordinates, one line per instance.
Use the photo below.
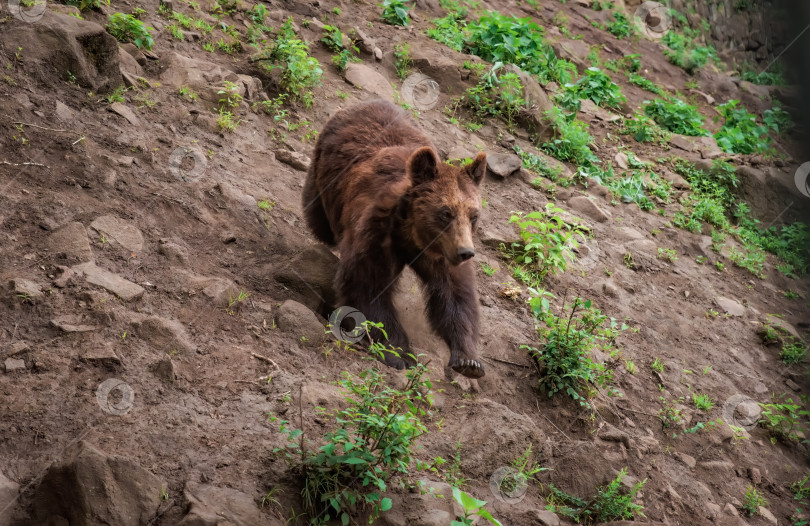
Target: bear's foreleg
(452, 308)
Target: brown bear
(377, 190)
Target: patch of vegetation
(300, 72)
(777, 119)
(127, 28)
(522, 471)
(497, 94)
(684, 53)
(740, 132)
(667, 254)
(402, 60)
(548, 243)
(395, 12)
(620, 27)
(542, 167)
(595, 85)
(763, 78)
(703, 402)
(753, 500)
(793, 350)
(333, 39)
(518, 41)
(610, 503)
(670, 414)
(449, 30)
(473, 508)
(571, 141)
(569, 337)
(645, 83)
(373, 441)
(634, 186)
(644, 129)
(783, 419)
(676, 116)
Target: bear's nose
(465, 253)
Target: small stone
(103, 356)
(165, 369)
(584, 206)
(25, 289)
(543, 517)
(64, 113)
(378, 54)
(14, 364)
(614, 434)
(71, 240)
(71, 323)
(729, 509)
(370, 80)
(621, 160)
(792, 385)
(503, 164)
(125, 112)
(729, 306)
(755, 475)
(610, 289)
(713, 509)
(65, 275)
(298, 320)
(114, 283)
(120, 231)
(767, 515)
(686, 459)
(297, 160)
(680, 141)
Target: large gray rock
(312, 275)
(71, 242)
(58, 43)
(298, 320)
(535, 118)
(120, 231)
(503, 164)
(583, 206)
(203, 77)
(164, 335)
(214, 506)
(124, 289)
(366, 78)
(88, 487)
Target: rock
(493, 235)
(733, 308)
(312, 274)
(610, 289)
(779, 322)
(9, 491)
(13, 349)
(503, 164)
(440, 64)
(768, 516)
(88, 487)
(102, 356)
(59, 43)
(613, 434)
(297, 160)
(64, 113)
(676, 179)
(537, 105)
(298, 320)
(543, 517)
(173, 251)
(686, 459)
(120, 231)
(755, 475)
(576, 51)
(585, 207)
(621, 160)
(215, 506)
(682, 142)
(14, 364)
(378, 54)
(365, 77)
(165, 369)
(72, 242)
(25, 289)
(114, 283)
(164, 335)
(204, 78)
(128, 65)
(72, 323)
(364, 43)
(125, 112)
(730, 510)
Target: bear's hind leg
(368, 286)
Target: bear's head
(446, 204)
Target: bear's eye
(446, 215)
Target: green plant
(472, 507)
(782, 418)
(765, 78)
(488, 269)
(522, 470)
(300, 71)
(597, 86)
(621, 27)
(753, 500)
(229, 96)
(569, 338)
(702, 402)
(127, 28)
(540, 166)
(372, 442)
(610, 503)
(676, 116)
(497, 93)
(395, 12)
(791, 294)
(548, 242)
(740, 132)
(644, 129)
(117, 95)
(571, 141)
(402, 60)
(684, 53)
(226, 122)
(449, 30)
(187, 94)
(801, 488)
(84, 5)
(667, 254)
(644, 83)
(670, 414)
(657, 366)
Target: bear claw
(469, 368)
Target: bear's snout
(465, 253)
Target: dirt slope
(123, 259)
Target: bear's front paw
(469, 368)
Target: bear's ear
(422, 165)
(478, 168)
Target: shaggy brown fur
(378, 191)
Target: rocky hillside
(163, 308)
